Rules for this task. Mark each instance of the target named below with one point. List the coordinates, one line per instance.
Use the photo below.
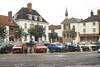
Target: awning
(89, 35)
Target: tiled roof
(71, 20)
(5, 20)
(92, 18)
(51, 27)
(23, 14)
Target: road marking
(18, 65)
(3, 58)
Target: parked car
(56, 47)
(5, 47)
(17, 48)
(72, 48)
(88, 47)
(98, 51)
(39, 48)
(97, 45)
(2, 48)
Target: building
(59, 30)
(68, 24)
(66, 28)
(27, 17)
(89, 28)
(10, 25)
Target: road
(69, 59)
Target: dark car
(73, 48)
(5, 48)
(56, 47)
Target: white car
(17, 48)
(98, 51)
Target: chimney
(92, 13)
(29, 6)
(10, 14)
(98, 12)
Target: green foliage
(2, 31)
(73, 34)
(18, 32)
(37, 30)
(53, 35)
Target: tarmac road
(69, 59)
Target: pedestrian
(30, 45)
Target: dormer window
(40, 18)
(35, 17)
(29, 16)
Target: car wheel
(51, 51)
(44, 51)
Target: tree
(38, 31)
(19, 32)
(53, 35)
(73, 34)
(2, 31)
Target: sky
(53, 11)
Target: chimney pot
(98, 12)
(29, 6)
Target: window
(84, 24)
(73, 27)
(25, 25)
(84, 30)
(94, 29)
(93, 23)
(30, 16)
(11, 30)
(40, 18)
(31, 25)
(35, 17)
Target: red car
(39, 48)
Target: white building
(90, 28)
(27, 17)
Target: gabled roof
(23, 14)
(92, 18)
(5, 20)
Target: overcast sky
(53, 10)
